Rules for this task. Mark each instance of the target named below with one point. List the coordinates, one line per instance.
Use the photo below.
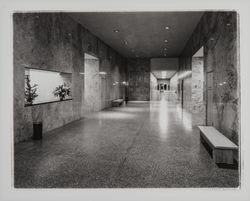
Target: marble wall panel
(154, 93)
(198, 102)
(92, 95)
(139, 79)
(54, 41)
(187, 93)
(217, 32)
(174, 86)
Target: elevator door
(209, 116)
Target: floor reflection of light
(185, 117)
(163, 119)
(115, 115)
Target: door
(209, 108)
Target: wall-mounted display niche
(42, 86)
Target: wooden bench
(222, 147)
(117, 102)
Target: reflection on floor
(139, 145)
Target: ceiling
(163, 74)
(141, 34)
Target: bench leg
(201, 138)
(223, 156)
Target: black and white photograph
(108, 100)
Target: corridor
(141, 144)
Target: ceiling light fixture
(167, 27)
(116, 30)
(164, 74)
(102, 73)
(165, 40)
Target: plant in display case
(30, 92)
(62, 91)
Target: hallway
(142, 144)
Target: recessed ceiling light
(116, 30)
(167, 27)
(102, 73)
(163, 73)
(165, 40)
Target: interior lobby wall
(217, 32)
(187, 93)
(154, 93)
(92, 95)
(174, 86)
(198, 101)
(55, 42)
(139, 79)
(164, 64)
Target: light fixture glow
(164, 73)
(27, 72)
(165, 40)
(116, 30)
(102, 73)
(184, 74)
(167, 27)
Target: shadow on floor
(234, 166)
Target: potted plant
(30, 92)
(62, 91)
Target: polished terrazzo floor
(138, 145)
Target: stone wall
(139, 79)
(198, 104)
(217, 32)
(187, 93)
(92, 95)
(174, 86)
(161, 64)
(154, 93)
(54, 41)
